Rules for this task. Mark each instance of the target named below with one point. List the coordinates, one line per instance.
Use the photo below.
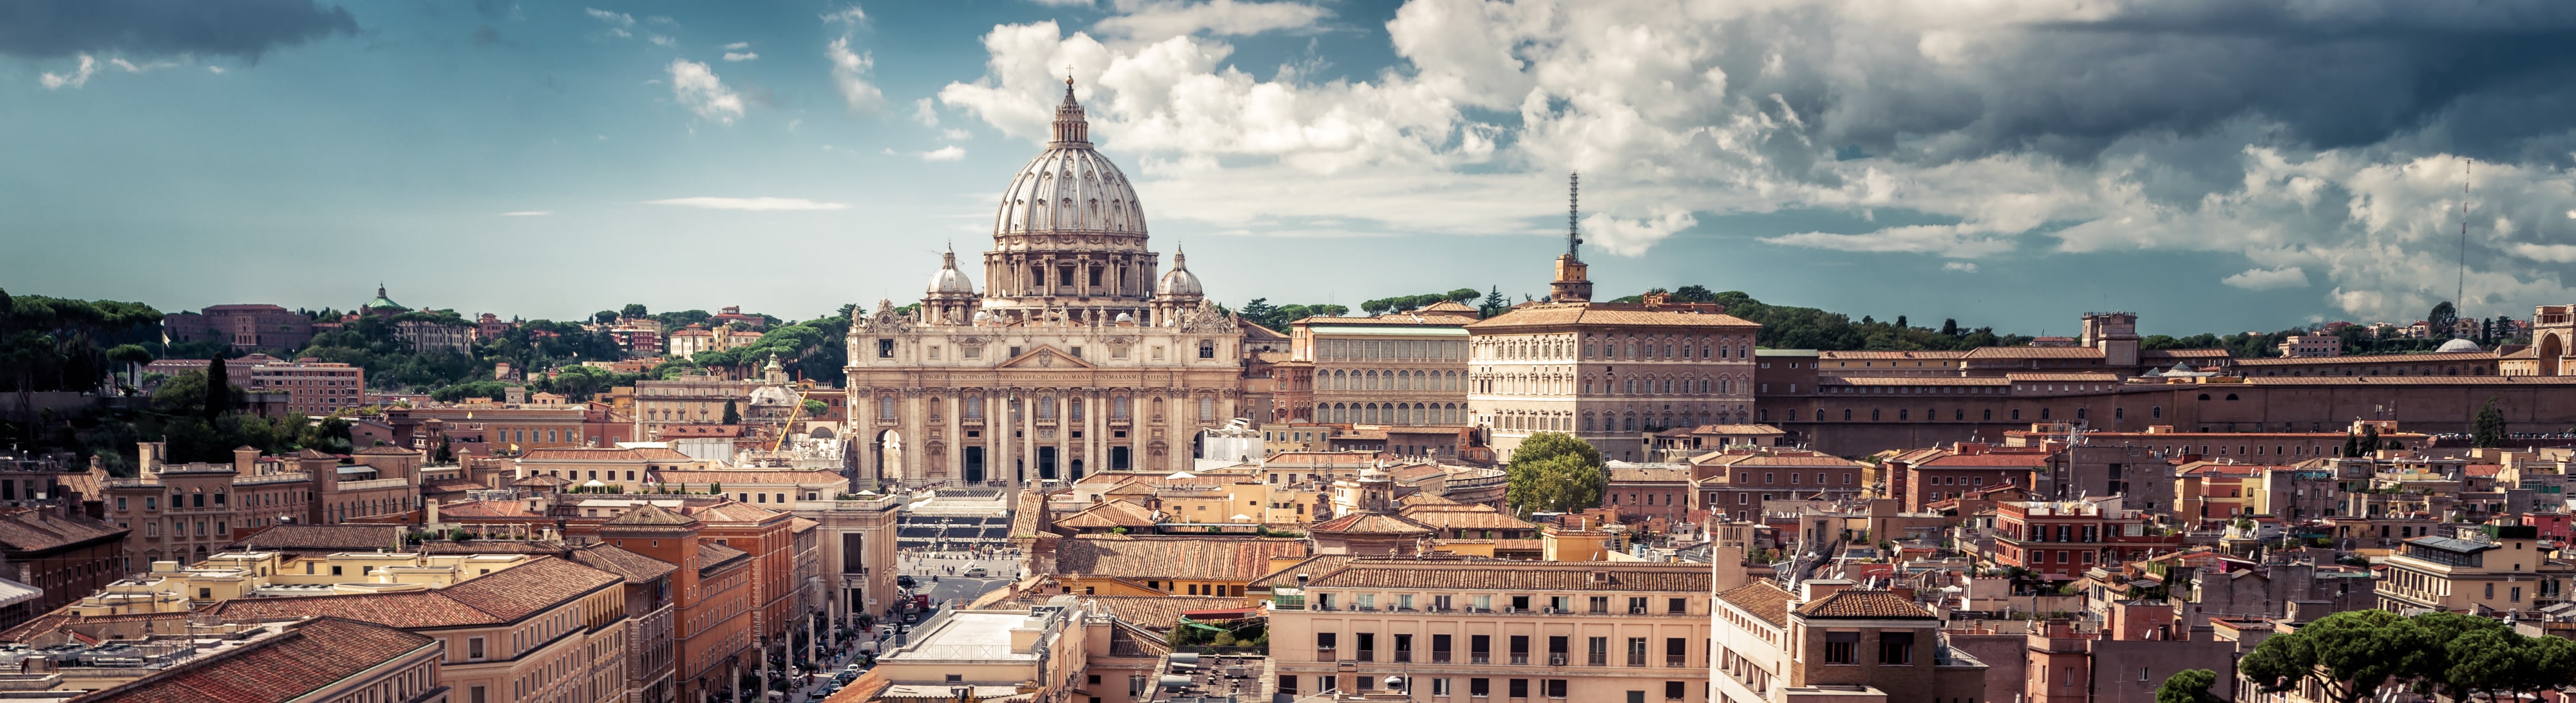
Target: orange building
(714, 584)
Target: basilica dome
(949, 279)
(1070, 188)
(1179, 281)
(2457, 345)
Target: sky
(2215, 165)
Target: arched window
(2231, 396)
(1873, 414)
(1820, 415)
(2119, 414)
(1903, 414)
(1846, 414)
(1959, 414)
(1988, 414)
(2156, 411)
(2204, 396)
(2081, 413)
(2016, 413)
(2043, 413)
(1628, 423)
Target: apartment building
(2059, 540)
(1737, 482)
(1484, 630)
(713, 630)
(322, 660)
(1925, 476)
(1401, 369)
(312, 387)
(487, 430)
(183, 512)
(2488, 569)
(1610, 373)
(248, 326)
(59, 553)
(1831, 642)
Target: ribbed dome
(2457, 345)
(949, 279)
(1179, 281)
(1070, 188)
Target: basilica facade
(1076, 357)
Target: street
(961, 588)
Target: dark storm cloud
(2324, 74)
(244, 28)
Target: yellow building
(2495, 568)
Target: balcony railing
(1597, 659)
(1674, 660)
(1480, 658)
(1439, 657)
(1324, 654)
(1556, 660)
(1404, 656)
(1368, 655)
(1520, 659)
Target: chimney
(245, 459)
(1813, 589)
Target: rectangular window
(1842, 647)
(1519, 688)
(1480, 688)
(1440, 687)
(1556, 688)
(1596, 651)
(474, 649)
(1896, 648)
(1636, 651)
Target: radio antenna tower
(1573, 203)
(2458, 301)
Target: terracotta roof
(1447, 306)
(503, 596)
(382, 449)
(635, 568)
(1168, 557)
(39, 529)
(1645, 475)
(1873, 355)
(451, 485)
(486, 509)
(1912, 381)
(650, 515)
(1369, 524)
(1157, 612)
(1967, 461)
(1763, 600)
(1761, 460)
(313, 655)
(2369, 359)
(1109, 514)
(712, 555)
(2184, 354)
(751, 477)
(1287, 577)
(1631, 314)
(602, 454)
(2397, 381)
(1424, 498)
(1858, 603)
(2083, 377)
(731, 511)
(324, 538)
(1389, 320)
(36, 631)
(1502, 575)
(1485, 519)
(2034, 353)
(1737, 429)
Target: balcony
(1439, 657)
(1597, 659)
(1404, 656)
(1324, 654)
(1480, 658)
(1556, 660)
(1368, 655)
(1520, 659)
(1674, 660)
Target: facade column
(1025, 427)
(1001, 424)
(951, 410)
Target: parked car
(978, 572)
(905, 581)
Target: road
(959, 588)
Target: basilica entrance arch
(888, 450)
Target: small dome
(2457, 345)
(949, 279)
(1179, 281)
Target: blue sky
(2216, 167)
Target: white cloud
(1956, 241)
(660, 40)
(1627, 237)
(698, 88)
(954, 134)
(925, 113)
(737, 46)
(946, 153)
(849, 15)
(131, 67)
(1157, 19)
(77, 78)
(741, 56)
(528, 213)
(757, 204)
(2268, 279)
(1959, 266)
(614, 19)
(2552, 253)
(850, 73)
(215, 69)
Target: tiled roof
(450, 485)
(1763, 460)
(388, 450)
(731, 511)
(2400, 381)
(499, 597)
(1157, 612)
(751, 477)
(1480, 518)
(2081, 377)
(40, 529)
(1641, 475)
(486, 509)
(324, 538)
(1763, 600)
(1496, 574)
(1737, 429)
(38, 631)
(1287, 577)
(712, 554)
(1168, 557)
(2183, 354)
(1917, 354)
(314, 655)
(1970, 461)
(1369, 524)
(1424, 498)
(1107, 515)
(635, 568)
(649, 515)
(588, 454)
(2034, 353)
(1912, 381)
(1858, 603)
(2359, 359)
(1554, 314)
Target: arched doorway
(889, 455)
(2550, 349)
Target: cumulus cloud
(2268, 279)
(851, 15)
(77, 78)
(740, 55)
(924, 113)
(850, 73)
(698, 88)
(62, 28)
(757, 204)
(618, 22)
(946, 153)
(1959, 266)
(2329, 138)
(1155, 19)
(954, 134)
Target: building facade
(312, 387)
(1403, 368)
(1076, 357)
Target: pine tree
(732, 415)
(2488, 430)
(1495, 304)
(219, 388)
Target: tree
(2441, 318)
(133, 356)
(2489, 660)
(1461, 296)
(1949, 328)
(2488, 430)
(1555, 472)
(604, 316)
(219, 397)
(632, 310)
(1494, 304)
(732, 415)
(2347, 655)
(2188, 686)
(1260, 312)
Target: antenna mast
(2458, 293)
(1573, 205)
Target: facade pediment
(1046, 356)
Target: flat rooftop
(970, 636)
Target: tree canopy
(2488, 429)
(1555, 472)
(2189, 686)
(1277, 317)
(2350, 655)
